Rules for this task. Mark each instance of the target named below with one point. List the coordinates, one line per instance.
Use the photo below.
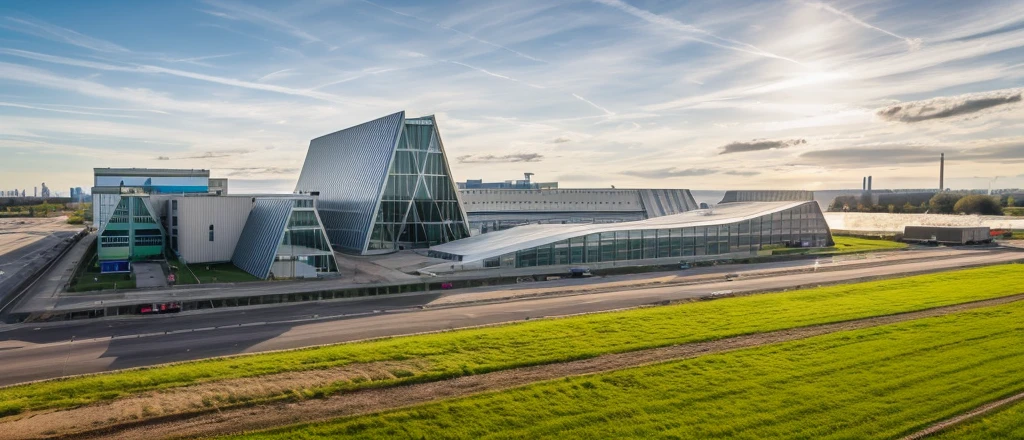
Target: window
(211, 232)
(174, 221)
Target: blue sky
(701, 95)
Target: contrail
(671, 23)
(451, 29)
(606, 111)
(912, 43)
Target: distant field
(457, 353)
(1004, 424)
(882, 382)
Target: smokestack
(942, 171)
(869, 183)
(863, 183)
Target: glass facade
(801, 226)
(419, 206)
(304, 242)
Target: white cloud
(63, 35)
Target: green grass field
(882, 382)
(856, 244)
(1004, 424)
(846, 245)
(474, 351)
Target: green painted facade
(132, 233)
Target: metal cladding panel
(662, 202)
(227, 215)
(767, 196)
(257, 245)
(349, 169)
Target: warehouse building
(730, 230)
(497, 209)
(384, 185)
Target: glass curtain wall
(419, 206)
(802, 226)
(304, 240)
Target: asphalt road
(31, 256)
(48, 351)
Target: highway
(58, 349)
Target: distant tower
(864, 183)
(942, 171)
(35, 191)
(869, 183)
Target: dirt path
(96, 421)
(979, 411)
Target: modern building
(497, 209)
(129, 226)
(730, 230)
(383, 186)
(131, 232)
(269, 236)
(283, 237)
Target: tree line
(940, 203)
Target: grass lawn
(883, 382)
(181, 270)
(90, 281)
(1005, 423)
(88, 278)
(220, 273)
(456, 353)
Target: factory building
(384, 185)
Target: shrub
(978, 204)
(943, 203)
(75, 220)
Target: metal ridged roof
(257, 245)
(349, 169)
(524, 237)
(662, 202)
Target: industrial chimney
(942, 171)
(864, 183)
(869, 183)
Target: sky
(632, 93)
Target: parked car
(579, 272)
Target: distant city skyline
(642, 94)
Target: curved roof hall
(524, 237)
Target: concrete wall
(196, 214)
